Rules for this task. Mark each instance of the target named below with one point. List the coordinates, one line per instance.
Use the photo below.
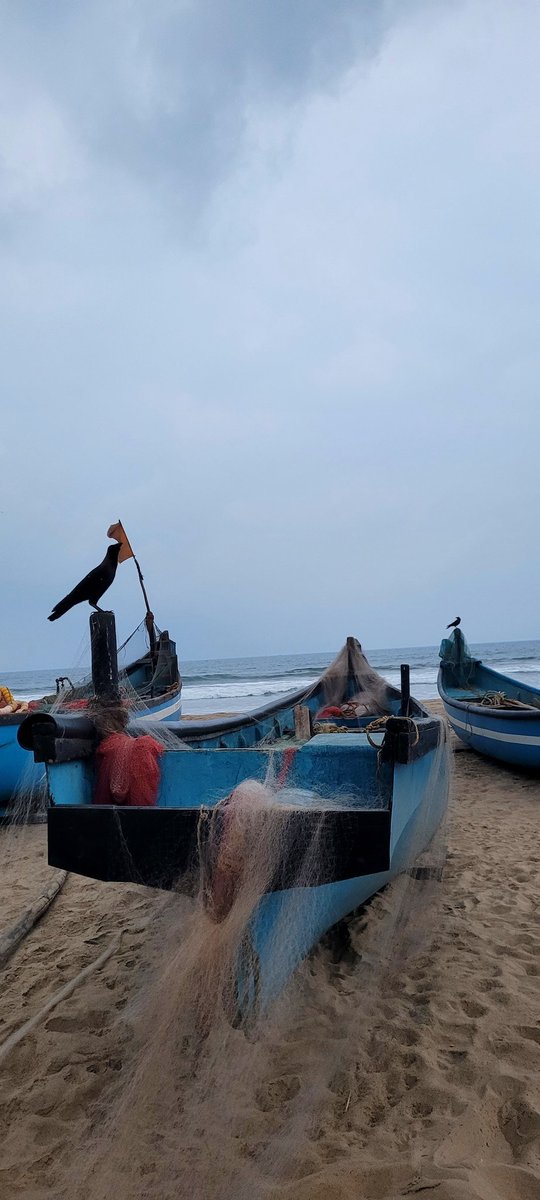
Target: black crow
(92, 587)
(454, 624)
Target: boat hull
(166, 708)
(288, 924)
(508, 734)
(373, 842)
(502, 737)
(300, 811)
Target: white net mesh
(224, 1080)
(185, 1116)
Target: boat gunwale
(487, 710)
(149, 702)
(193, 728)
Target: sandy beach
(368, 1084)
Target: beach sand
(432, 1089)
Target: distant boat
(367, 766)
(496, 715)
(153, 679)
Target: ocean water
(240, 684)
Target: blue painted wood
(511, 736)
(343, 769)
(17, 767)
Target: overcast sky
(269, 293)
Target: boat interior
(348, 698)
(465, 680)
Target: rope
(327, 727)
(379, 725)
(493, 699)
(12, 939)
(18, 1034)
(501, 700)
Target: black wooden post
(104, 657)
(405, 689)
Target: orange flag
(119, 534)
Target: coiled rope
(379, 726)
(501, 700)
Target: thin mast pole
(149, 614)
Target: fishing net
(144, 674)
(226, 1082)
(127, 770)
(230, 1055)
(350, 679)
(139, 668)
(457, 660)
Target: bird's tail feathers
(62, 607)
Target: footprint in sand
(531, 1032)
(490, 985)
(520, 1124)
(94, 1021)
(277, 1092)
(472, 1008)
(421, 1109)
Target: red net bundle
(127, 770)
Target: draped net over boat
(279, 823)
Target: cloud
(163, 90)
(311, 405)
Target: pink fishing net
(127, 770)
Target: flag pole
(122, 537)
(149, 614)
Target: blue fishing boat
(319, 800)
(494, 714)
(151, 685)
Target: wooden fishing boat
(151, 684)
(496, 715)
(357, 773)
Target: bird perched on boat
(454, 624)
(92, 587)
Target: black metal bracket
(57, 739)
